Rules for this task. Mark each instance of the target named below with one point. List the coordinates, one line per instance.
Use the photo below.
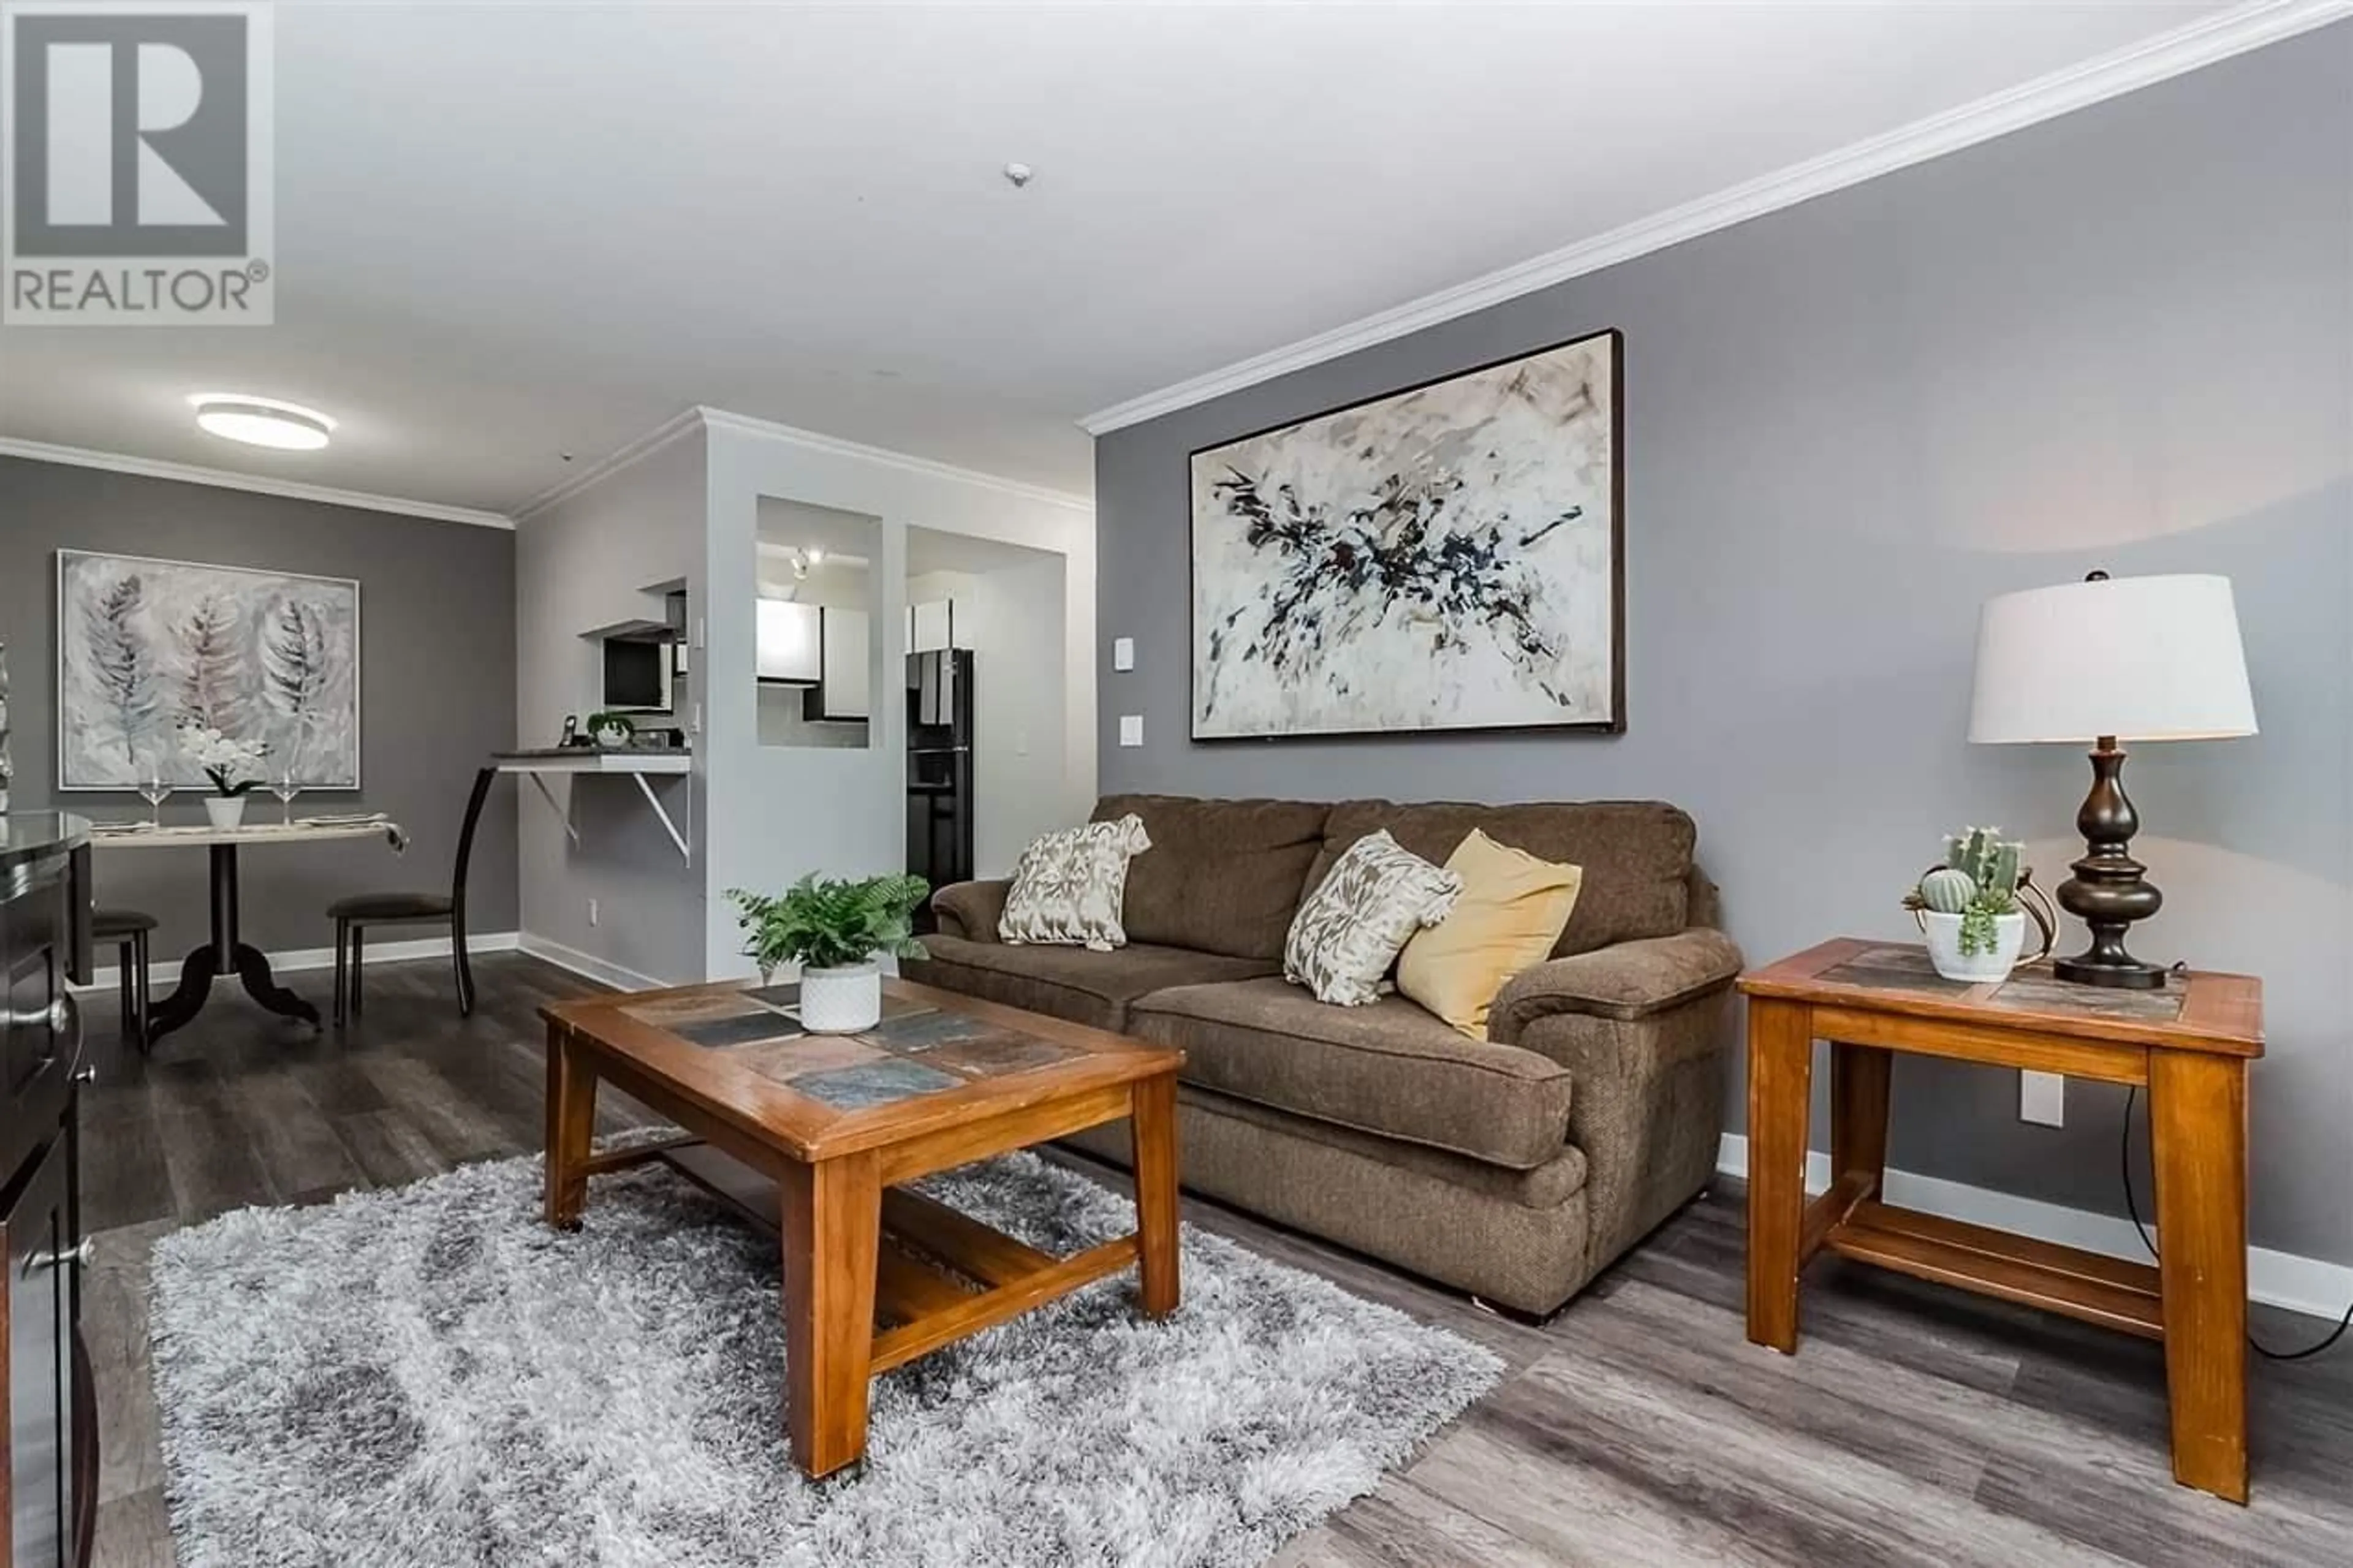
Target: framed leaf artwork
(1445, 558)
(145, 646)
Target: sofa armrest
(1626, 981)
(971, 910)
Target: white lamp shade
(2140, 658)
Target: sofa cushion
(1636, 854)
(1389, 1068)
(1350, 930)
(1072, 983)
(1222, 876)
(1068, 887)
(1510, 913)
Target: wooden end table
(2189, 1044)
(815, 1132)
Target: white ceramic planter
(846, 1000)
(225, 810)
(1944, 934)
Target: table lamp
(2104, 660)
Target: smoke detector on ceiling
(1020, 174)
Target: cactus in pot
(1948, 890)
(1977, 882)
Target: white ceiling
(509, 232)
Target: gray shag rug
(428, 1376)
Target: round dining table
(227, 952)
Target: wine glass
(285, 787)
(155, 789)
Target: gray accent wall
(2121, 339)
(437, 692)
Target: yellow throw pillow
(1507, 917)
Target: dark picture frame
(1306, 553)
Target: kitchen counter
(29, 835)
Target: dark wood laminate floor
(1637, 1429)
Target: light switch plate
(1131, 729)
(1122, 653)
(2042, 1098)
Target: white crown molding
(744, 424)
(685, 423)
(261, 484)
(2312, 1286)
(2167, 55)
(705, 418)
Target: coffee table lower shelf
(940, 1275)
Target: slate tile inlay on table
(1004, 1051)
(741, 1030)
(1908, 969)
(874, 1083)
(925, 1031)
(788, 997)
(786, 1060)
(671, 1011)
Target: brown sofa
(1514, 1168)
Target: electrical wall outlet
(1131, 729)
(1122, 653)
(592, 911)
(2042, 1098)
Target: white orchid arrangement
(233, 765)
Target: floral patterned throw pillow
(1068, 887)
(1352, 926)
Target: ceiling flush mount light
(261, 421)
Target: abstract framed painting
(1446, 558)
(145, 646)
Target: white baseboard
(163, 969)
(2305, 1285)
(587, 964)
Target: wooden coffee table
(819, 1132)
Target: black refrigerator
(939, 766)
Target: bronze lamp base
(2108, 892)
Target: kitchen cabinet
(846, 675)
(788, 647)
(49, 1473)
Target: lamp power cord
(2132, 1207)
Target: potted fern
(837, 931)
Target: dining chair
(353, 915)
(126, 930)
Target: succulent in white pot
(1970, 907)
(233, 765)
(837, 931)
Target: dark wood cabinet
(49, 1469)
